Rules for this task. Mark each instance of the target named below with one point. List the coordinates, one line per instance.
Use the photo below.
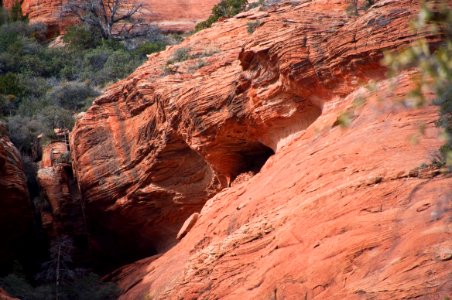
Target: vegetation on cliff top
(41, 87)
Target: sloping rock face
(172, 15)
(338, 213)
(334, 212)
(16, 217)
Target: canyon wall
(360, 212)
(172, 15)
(16, 218)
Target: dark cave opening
(252, 158)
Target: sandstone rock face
(336, 214)
(64, 214)
(170, 15)
(158, 144)
(15, 210)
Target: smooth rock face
(170, 15)
(188, 224)
(16, 219)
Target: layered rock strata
(352, 213)
(157, 145)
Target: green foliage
(92, 287)
(367, 4)
(85, 286)
(41, 87)
(16, 13)
(72, 96)
(81, 37)
(19, 287)
(251, 26)
(224, 9)
(181, 54)
(10, 85)
(436, 69)
(3, 16)
(197, 65)
(352, 8)
(150, 47)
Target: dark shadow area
(253, 158)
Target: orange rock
(188, 225)
(61, 192)
(54, 153)
(173, 15)
(5, 296)
(177, 15)
(333, 213)
(16, 218)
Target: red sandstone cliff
(334, 213)
(171, 15)
(15, 209)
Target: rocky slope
(16, 217)
(333, 212)
(173, 15)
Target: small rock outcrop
(63, 214)
(187, 226)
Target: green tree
(224, 9)
(435, 65)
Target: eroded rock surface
(16, 218)
(157, 145)
(63, 214)
(335, 212)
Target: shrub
(251, 26)
(16, 13)
(180, 55)
(436, 69)
(10, 85)
(71, 95)
(224, 9)
(197, 65)
(352, 8)
(3, 16)
(367, 4)
(149, 47)
(81, 37)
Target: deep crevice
(253, 158)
